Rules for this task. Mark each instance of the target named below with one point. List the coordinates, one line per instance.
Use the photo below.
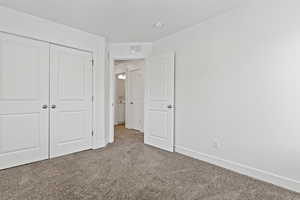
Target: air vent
(135, 49)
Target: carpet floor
(130, 170)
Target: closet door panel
(24, 96)
(71, 102)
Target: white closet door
(159, 101)
(135, 113)
(24, 89)
(71, 101)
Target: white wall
(26, 25)
(238, 90)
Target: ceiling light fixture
(122, 76)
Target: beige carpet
(128, 169)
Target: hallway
(130, 170)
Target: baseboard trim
(274, 179)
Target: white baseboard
(243, 169)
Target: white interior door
(159, 101)
(135, 100)
(24, 89)
(71, 101)
(120, 101)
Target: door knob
(131, 102)
(170, 106)
(45, 106)
(53, 106)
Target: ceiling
(124, 20)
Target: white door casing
(24, 89)
(135, 99)
(112, 97)
(71, 101)
(159, 101)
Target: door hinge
(93, 98)
(93, 62)
(92, 133)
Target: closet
(45, 100)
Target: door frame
(112, 80)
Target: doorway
(129, 94)
(149, 98)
